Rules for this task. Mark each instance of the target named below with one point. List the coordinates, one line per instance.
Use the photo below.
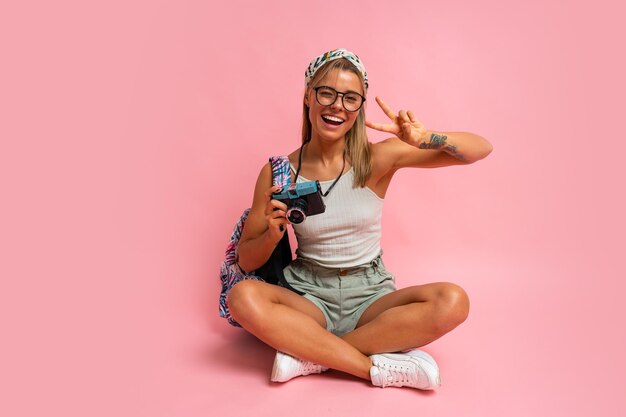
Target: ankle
(364, 370)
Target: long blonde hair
(357, 145)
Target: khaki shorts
(343, 295)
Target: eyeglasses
(326, 96)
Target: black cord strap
(333, 184)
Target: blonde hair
(357, 145)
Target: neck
(328, 152)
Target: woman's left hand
(404, 125)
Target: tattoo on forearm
(439, 142)
(436, 142)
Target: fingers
(271, 191)
(405, 122)
(403, 117)
(275, 214)
(383, 128)
(377, 126)
(276, 217)
(271, 203)
(406, 127)
(275, 205)
(385, 108)
(402, 122)
(277, 224)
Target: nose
(338, 104)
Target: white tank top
(348, 233)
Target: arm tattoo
(439, 142)
(436, 142)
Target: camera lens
(297, 213)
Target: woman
(351, 317)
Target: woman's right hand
(275, 215)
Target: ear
(306, 99)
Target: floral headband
(331, 56)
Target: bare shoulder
(263, 183)
(256, 224)
(293, 156)
(264, 180)
(383, 153)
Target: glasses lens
(326, 96)
(352, 102)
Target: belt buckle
(343, 272)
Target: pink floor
(541, 339)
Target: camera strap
(334, 182)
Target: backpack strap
(281, 171)
(272, 270)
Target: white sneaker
(414, 368)
(287, 367)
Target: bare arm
(414, 146)
(465, 146)
(444, 149)
(265, 225)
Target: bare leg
(409, 318)
(294, 325)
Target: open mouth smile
(332, 120)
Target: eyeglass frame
(337, 94)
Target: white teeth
(333, 118)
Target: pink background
(132, 134)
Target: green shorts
(343, 295)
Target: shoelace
(307, 367)
(395, 374)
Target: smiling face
(334, 121)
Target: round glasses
(326, 96)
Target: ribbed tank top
(348, 233)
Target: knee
(244, 300)
(452, 306)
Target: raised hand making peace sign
(404, 125)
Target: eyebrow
(349, 91)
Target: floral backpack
(272, 271)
